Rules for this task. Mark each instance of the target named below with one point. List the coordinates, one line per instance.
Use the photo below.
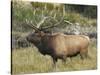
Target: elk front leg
(64, 60)
(54, 63)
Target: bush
(22, 11)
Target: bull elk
(59, 45)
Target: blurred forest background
(66, 18)
(84, 15)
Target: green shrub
(35, 13)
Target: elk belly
(72, 46)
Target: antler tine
(54, 24)
(68, 22)
(32, 25)
(41, 22)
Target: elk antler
(55, 25)
(41, 22)
(32, 25)
(37, 24)
(68, 22)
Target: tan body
(62, 46)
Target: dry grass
(29, 60)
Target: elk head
(37, 36)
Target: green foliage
(47, 6)
(90, 11)
(20, 12)
(78, 18)
(35, 11)
(85, 10)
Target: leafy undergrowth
(29, 60)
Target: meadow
(29, 60)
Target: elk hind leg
(84, 53)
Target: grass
(83, 21)
(29, 60)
